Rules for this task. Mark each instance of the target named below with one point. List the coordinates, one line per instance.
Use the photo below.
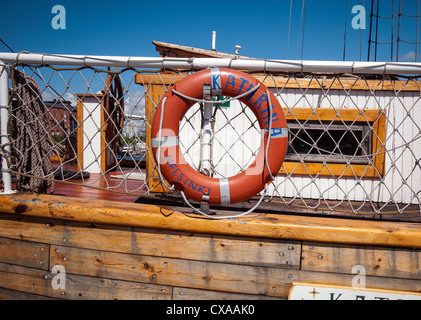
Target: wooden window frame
(375, 169)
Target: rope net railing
(354, 139)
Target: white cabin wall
(400, 160)
(92, 135)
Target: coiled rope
(32, 142)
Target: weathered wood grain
(152, 98)
(38, 282)
(6, 294)
(255, 225)
(212, 276)
(298, 83)
(24, 253)
(376, 261)
(198, 294)
(168, 271)
(24, 279)
(160, 243)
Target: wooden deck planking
(87, 188)
(80, 191)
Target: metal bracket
(5, 192)
(206, 133)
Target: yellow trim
(374, 116)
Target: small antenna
(237, 49)
(213, 40)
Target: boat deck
(96, 184)
(80, 191)
(76, 189)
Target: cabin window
(326, 142)
(340, 143)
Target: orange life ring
(165, 137)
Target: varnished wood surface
(90, 188)
(399, 234)
(299, 83)
(94, 181)
(110, 262)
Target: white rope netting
(354, 139)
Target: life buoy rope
(261, 196)
(158, 156)
(218, 101)
(165, 137)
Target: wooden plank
(34, 281)
(101, 181)
(264, 252)
(329, 114)
(6, 294)
(206, 275)
(152, 97)
(175, 50)
(331, 169)
(378, 144)
(168, 271)
(103, 134)
(376, 261)
(24, 253)
(94, 288)
(28, 280)
(300, 83)
(198, 294)
(255, 225)
(79, 133)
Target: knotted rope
(32, 144)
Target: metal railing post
(4, 118)
(206, 136)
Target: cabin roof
(175, 50)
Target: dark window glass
(329, 142)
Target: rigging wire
(6, 45)
(377, 30)
(399, 29)
(393, 22)
(398, 39)
(346, 11)
(299, 30)
(416, 40)
(369, 36)
(361, 40)
(289, 27)
(304, 28)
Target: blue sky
(260, 27)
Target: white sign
(307, 291)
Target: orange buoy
(165, 136)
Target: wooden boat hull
(112, 250)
